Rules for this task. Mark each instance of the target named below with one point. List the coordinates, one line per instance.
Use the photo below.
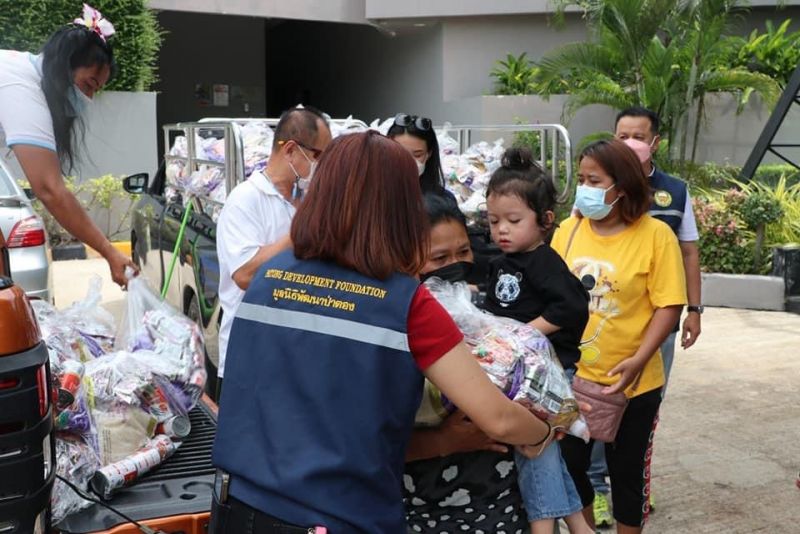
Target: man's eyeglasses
(420, 123)
(314, 151)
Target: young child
(531, 283)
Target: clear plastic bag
(76, 461)
(81, 332)
(447, 144)
(153, 326)
(517, 358)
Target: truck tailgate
(180, 488)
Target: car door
(146, 229)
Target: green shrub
(514, 76)
(771, 174)
(739, 224)
(99, 196)
(775, 53)
(758, 210)
(785, 229)
(724, 243)
(26, 25)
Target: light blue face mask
(591, 202)
(78, 100)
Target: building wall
(323, 10)
(390, 9)
(119, 135)
(471, 47)
(440, 70)
(210, 49)
(387, 9)
(352, 69)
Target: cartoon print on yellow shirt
(598, 277)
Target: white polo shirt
(24, 115)
(255, 215)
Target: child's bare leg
(543, 526)
(577, 524)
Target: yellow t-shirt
(632, 273)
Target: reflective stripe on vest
(320, 324)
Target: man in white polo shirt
(254, 224)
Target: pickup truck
(173, 499)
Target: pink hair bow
(94, 20)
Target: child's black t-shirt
(527, 285)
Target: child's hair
(522, 177)
(442, 208)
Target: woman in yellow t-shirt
(631, 264)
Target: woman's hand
(117, 262)
(43, 171)
(630, 371)
(458, 434)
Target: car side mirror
(135, 184)
(29, 193)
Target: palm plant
(775, 53)
(514, 76)
(625, 62)
(666, 55)
(705, 26)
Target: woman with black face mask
(457, 479)
(450, 256)
(43, 102)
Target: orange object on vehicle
(184, 524)
(27, 452)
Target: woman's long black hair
(432, 179)
(67, 49)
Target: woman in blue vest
(327, 357)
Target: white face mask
(420, 166)
(78, 100)
(301, 184)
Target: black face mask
(455, 272)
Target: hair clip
(94, 21)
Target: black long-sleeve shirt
(528, 285)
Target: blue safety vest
(320, 396)
(669, 199)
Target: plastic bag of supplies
(516, 357)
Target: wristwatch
(696, 309)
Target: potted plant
(104, 199)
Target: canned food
(177, 427)
(114, 476)
(69, 383)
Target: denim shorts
(546, 485)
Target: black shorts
(628, 460)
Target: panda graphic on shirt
(507, 288)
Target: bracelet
(547, 436)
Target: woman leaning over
(44, 100)
(631, 265)
(330, 347)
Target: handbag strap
(571, 237)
